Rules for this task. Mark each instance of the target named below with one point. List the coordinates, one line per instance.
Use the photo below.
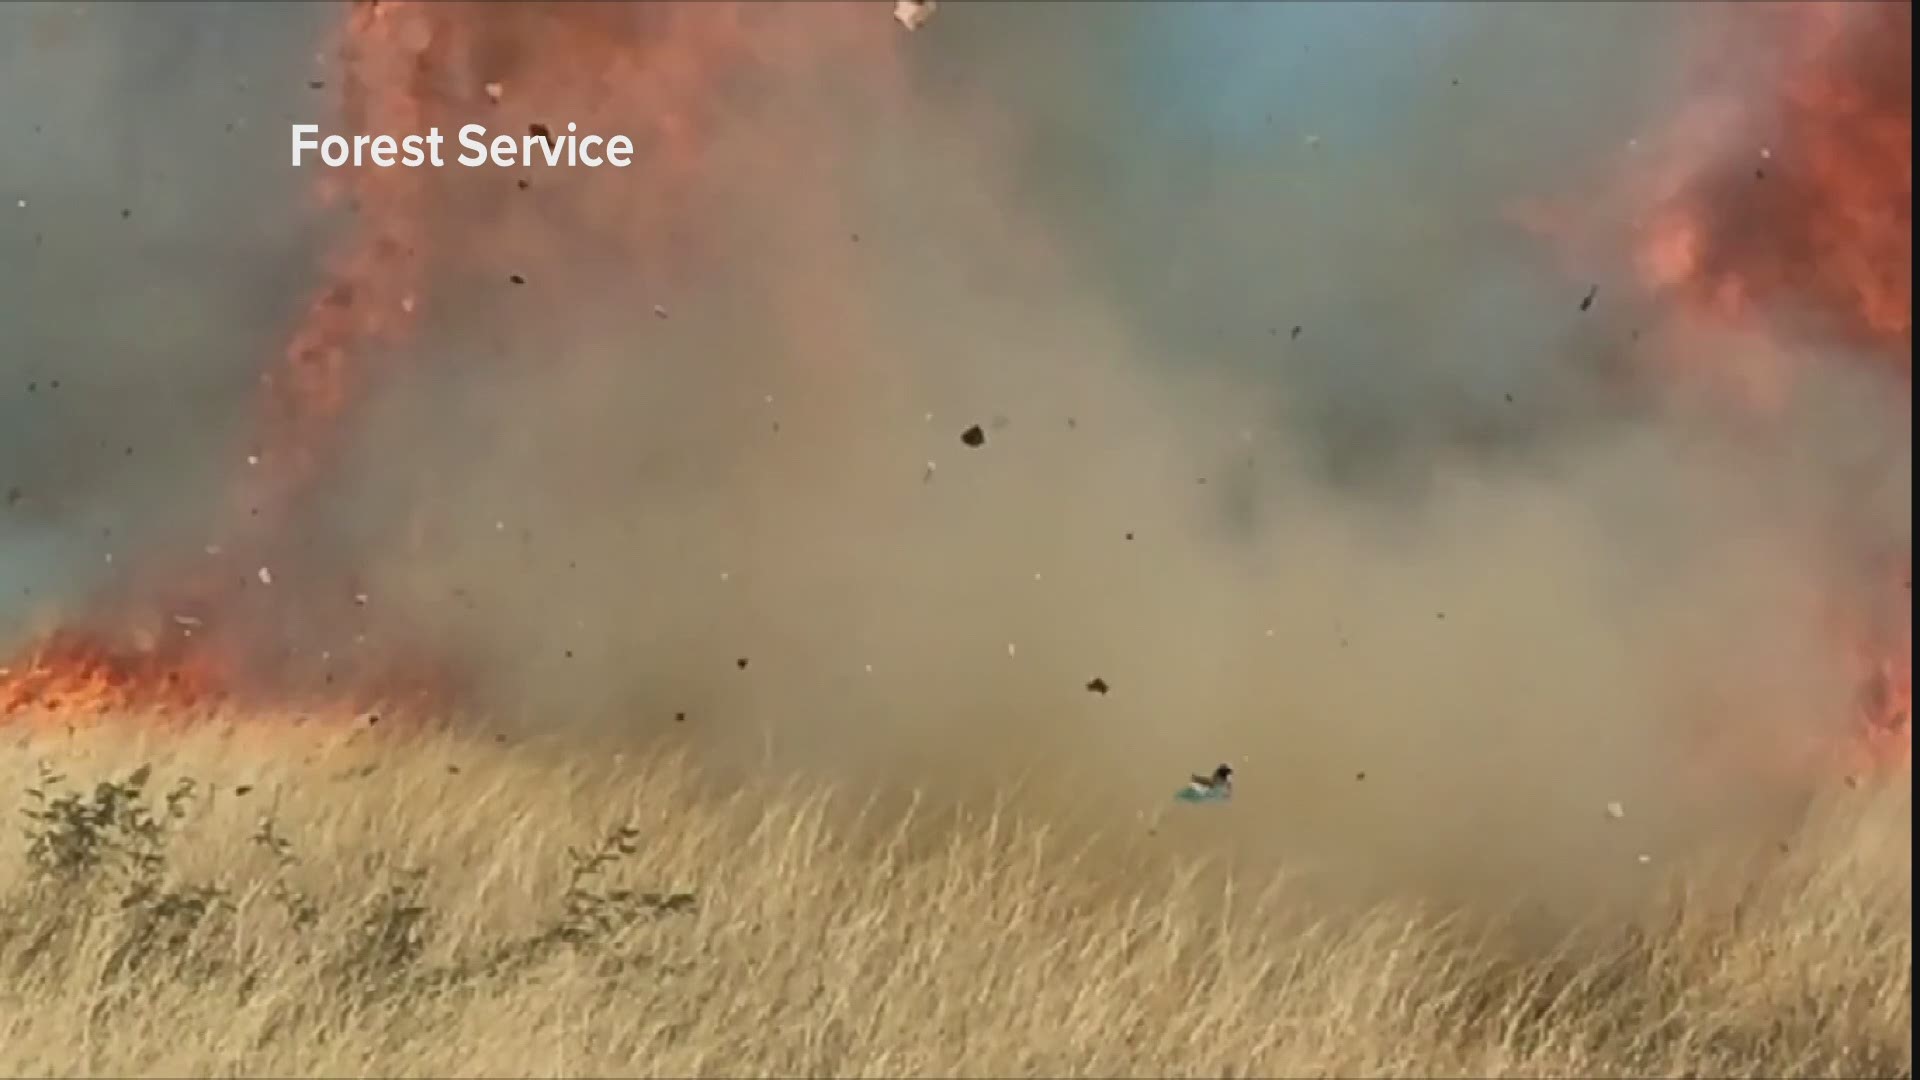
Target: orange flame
(367, 299)
(1815, 217)
(72, 673)
(651, 71)
(1782, 216)
(1807, 226)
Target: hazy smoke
(1429, 535)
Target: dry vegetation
(225, 902)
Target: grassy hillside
(304, 902)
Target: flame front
(71, 673)
(1790, 219)
(405, 67)
(1806, 208)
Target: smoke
(1293, 437)
(151, 254)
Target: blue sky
(1223, 68)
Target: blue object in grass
(1217, 787)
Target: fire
(367, 299)
(73, 673)
(376, 277)
(1886, 700)
(1770, 219)
(1790, 219)
(1786, 216)
(649, 70)
(1805, 209)
(1880, 659)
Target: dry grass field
(303, 902)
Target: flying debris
(1215, 787)
(913, 14)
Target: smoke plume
(1296, 434)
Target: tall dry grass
(414, 905)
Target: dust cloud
(1293, 438)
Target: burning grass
(71, 673)
(348, 901)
